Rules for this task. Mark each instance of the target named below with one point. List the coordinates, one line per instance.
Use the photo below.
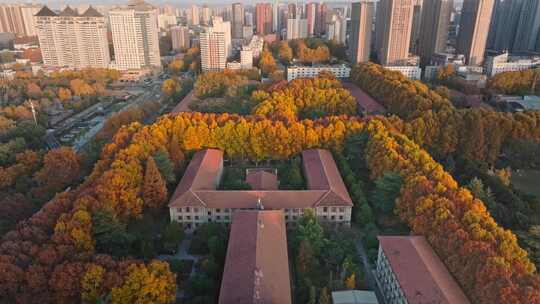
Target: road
(183, 105)
(370, 277)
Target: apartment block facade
(361, 28)
(18, 19)
(393, 31)
(213, 51)
(73, 40)
(135, 36)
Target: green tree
(310, 231)
(312, 295)
(110, 234)
(165, 166)
(365, 215)
(173, 236)
(387, 189)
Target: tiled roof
(68, 12)
(262, 180)
(91, 12)
(322, 173)
(199, 183)
(422, 276)
(45, 12)
(257, 266)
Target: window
(209, 212)
(333, 217)
(296, 210)
(325, 217)
(286, 217)
(218, 210)
(209, 219)
(294, 217)
(226, 209)
(341, 217)
(188, 217)
(226, 217)
(325, 209)
(187, 209)
(195, 209)
(341, 209)
(180, 218)
(333, 209)
(196, 217)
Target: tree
(176, 66)
(154, 283)
(285, 52)
(310, 231)
(110, 234)
(154, 188)
(350, 282)
(61, 167)
(170, 87)
(173, 235)
(324, 297)
(312, 295)
(365, 215)
(64, 94)
(387, 189)
(165, 165)
(267, 63)
(80, 87)
(33, 91)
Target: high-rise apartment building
(218, 25)
(194, 15)
(297, 28)
(135, 36)
(336, 28)
(528, 29)
(416, 22)
(180, 37)
(321, 18)
(361, 27)
(312, 10)
(213, 51)
(393, 31)
(18, 18)
(71, 40)
(291, 11)
(205, 15)
(504, 23)
(237, 20)
(473, 30)
(263, 12)
(435, 23)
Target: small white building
(354, 297)
(412, 72)
(339, 70)
(246, 59)
(505, 63)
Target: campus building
(339, 70)
(197, 199)
(409, 271)
(257, 265)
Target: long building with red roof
(197, 199)
(257, 265)
(409, 271)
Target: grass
(527, 181)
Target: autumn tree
(324, 297)
(350, 282)
(267, 63)
(154, 188)
(64, 94)
(61, 168)
(285, 52)
(153, 283)
(170, 87)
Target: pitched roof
(262, 180)
(199, 183)
(91, 12)
(45, 12)
(68, 12)
(322, 173)
(257, 266)
(423, 277)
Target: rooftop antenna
(259, 204)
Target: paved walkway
(369, 271)
(183, 105)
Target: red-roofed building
(262, 180)
(257, 266)
(196, 200)
(409, 271)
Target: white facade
(180, 37)
(297, 28)
(213, 51)
(71, 40)
(388, 281)
(194, 15)
(247, 32)
(246, 59)
(255, 46)
(411, 72)
(135, 36)
(18, 18)
(336, 29)
(503, 63)
(165, 21)
(340, 71)
(218, 25)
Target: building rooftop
(354, 297)
(423, 277)
(91, 12)
(68, 12)
(199, 183)
(45, 12)
(262, 180)
(257, 266)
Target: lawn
(527, 180)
